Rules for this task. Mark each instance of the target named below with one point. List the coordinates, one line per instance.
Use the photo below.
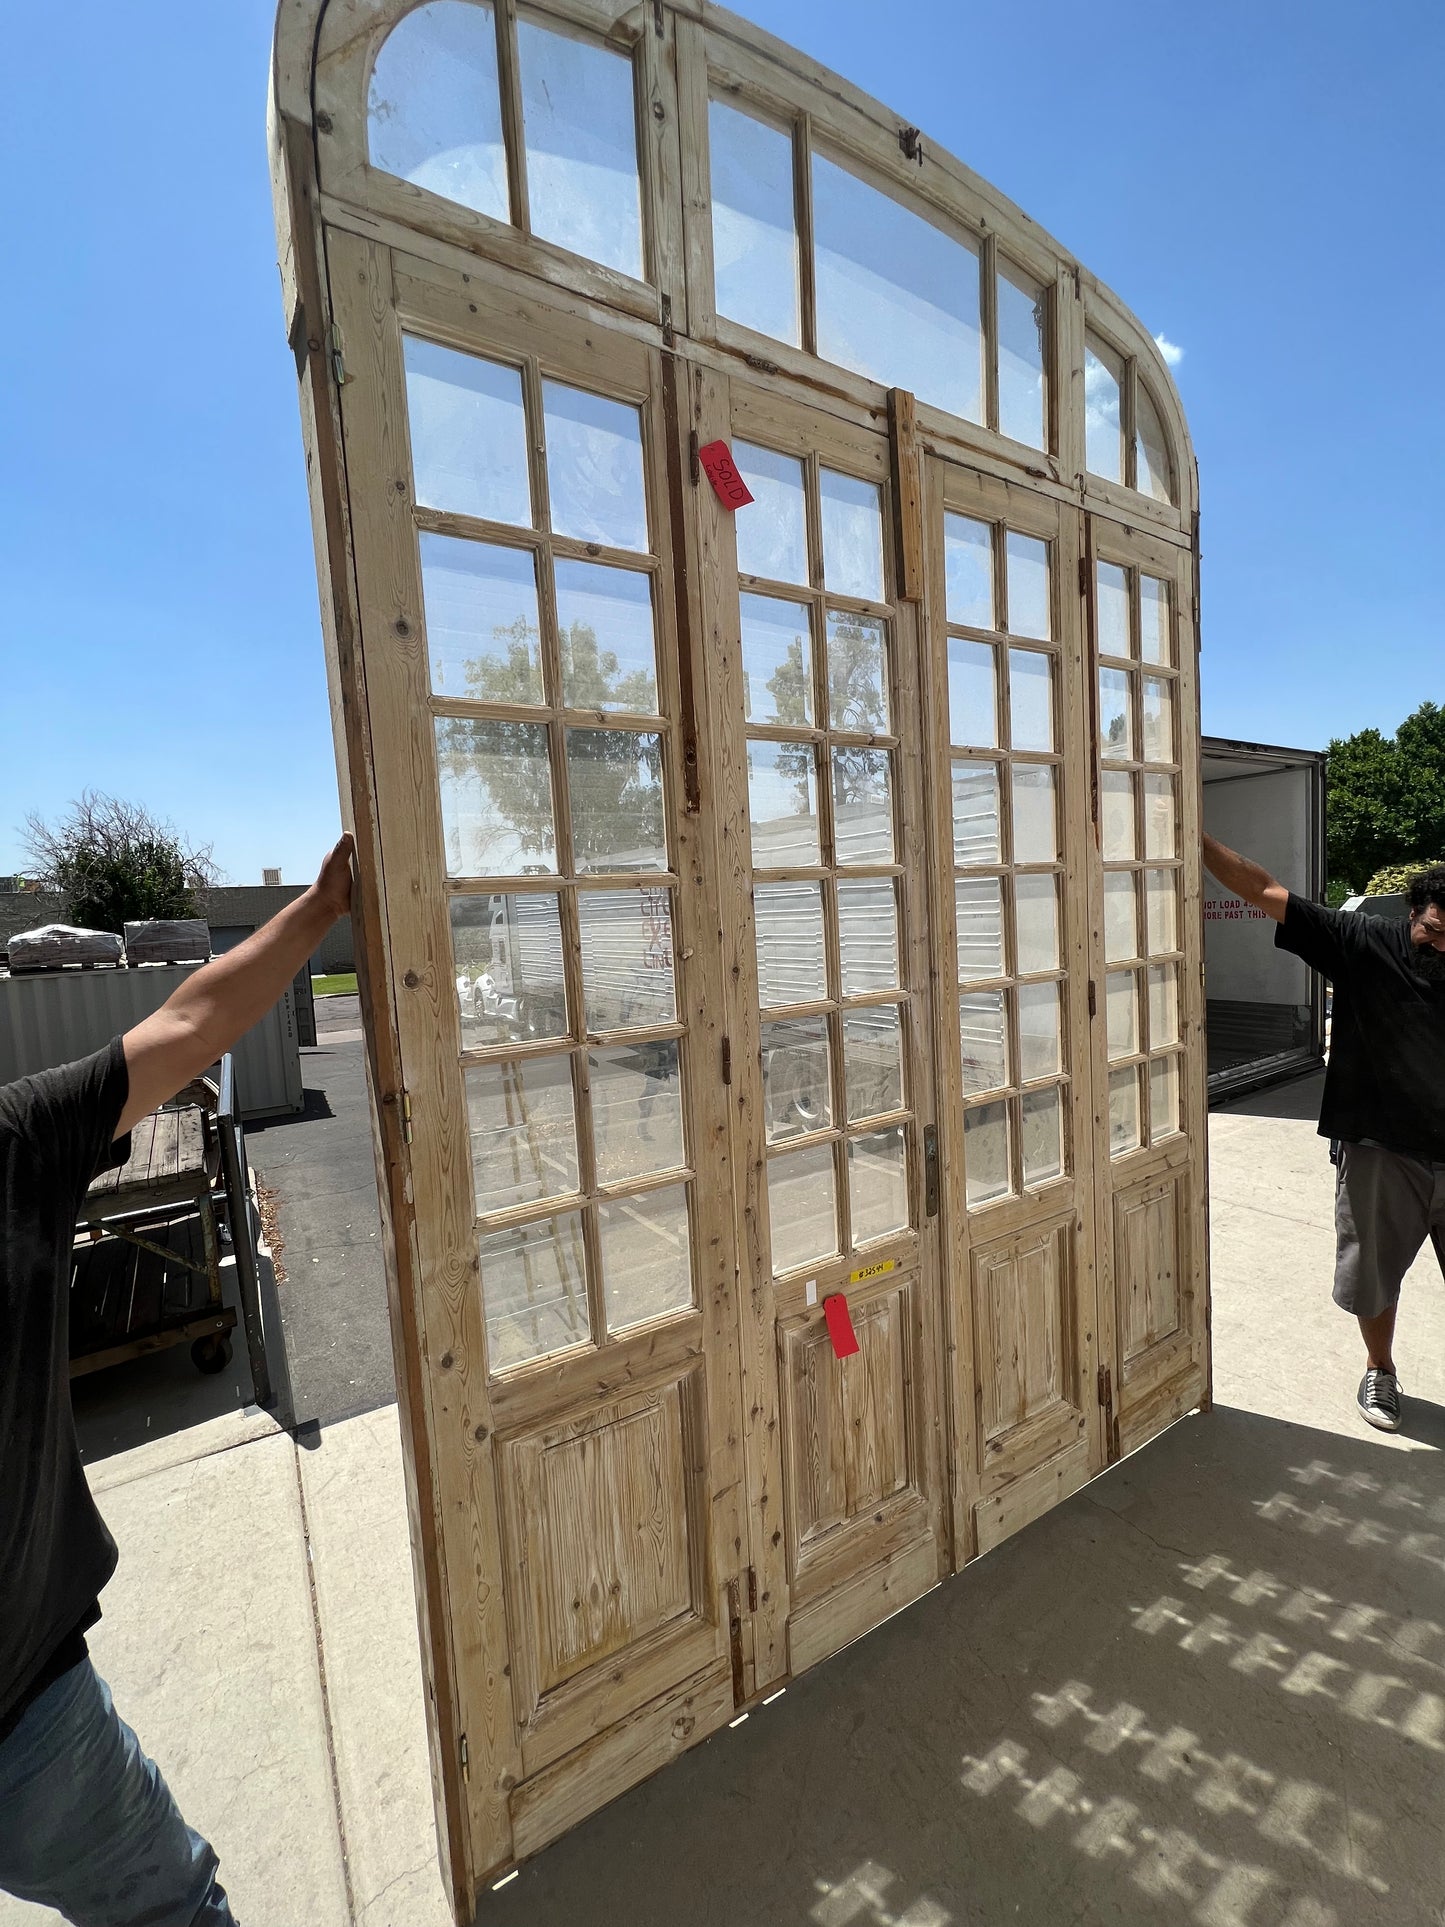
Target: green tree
(113, 863)
(1386, 797)
(856, 702)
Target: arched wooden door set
(764, 907)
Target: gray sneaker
(1379, 1400)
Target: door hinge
(669, 336)
(338, 365)
(727, 1060)
(1093, 998)
(735, 1642)
(466, 1761)
(694, 461)
(402, 1101)
(1106, 1388)
(752, 1589)
(1083, 575)
(657, 18)
(930, 1171)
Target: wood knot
(411, 980)
(323, 122)
(402, 626)
(447, 1360)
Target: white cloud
(1170, 350)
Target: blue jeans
(87, 1824)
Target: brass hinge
(727, 1060)
(1093, 999)
(338, 365)
(402, 1101)
(466, 1762)
(752, 1590)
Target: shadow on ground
(1210, 1688)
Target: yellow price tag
(883, 1266)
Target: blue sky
(1261, 183)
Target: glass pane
(1118, 832)
(968, 572)
(985, 1153)
(978, 902)
(1162, 895)
(772, 533)
(1036, 923)
(1040, 1048)
(1153, 468)
(434, 111)
(783, 804)
(646, 1255)
(604, 617)
(803, 1206)
(594, 467)
(1031, 699)
(897, 297)
(1154, 629)
(614, 780)
(788, 923)
(1163, 1097)
(1111, 602)
(1123, 1110)
(852, 535)
(1161, 817)
(863, 805)
(972, 694)
(983, 1033)
(1158, 720)
(626, 958)
(857, 673)
(1103, 439)
(797, 1077)
(1028, 586)
(636, 1110)
(1121, 917)
(754, 234)
(1121, 1009)
(507, 954)
(873, 1062)
(1021, 322)
(777, 661)
(878, 1184)
(1116, 725)
(1036, 832)
(468, 434)
(1163, 1005)
(975, 813)
(581, 147)
(867, 934)
(1043, 1135)
(535, 1290)
(483, 633)
(496, 796)
(523, 1132)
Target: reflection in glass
(862, 805)
(1163, 1004)
(878, 1184)
(1040, 1051)
(468, 434)
(867, 934)
(983, 1035)
(968, 572)
(1163, 1097)
(496, 796)
(802, 1206)
(1116, 725)
(985, 1153)
(788, 925)
(534, 1289)
(972, 697)
(1031, 699)
(897, 298)
(1123, 1110)
(797, 1077)
(777, 661)
(1158, 720)
(626, 958)
(1162, 897)
(852, 535)
(1021, 320)
(1103, 438)
(636, 1110)
(507, 955)
(772, 536)
(646, 1255)
(1118, 834)
(1121, 917)
(754, 233)
(975, 813)
(1035, 822)
(614, 780)
(873, 1061)
(783, 805)
(1036, 923)
(1121, 1007)
(523, 1131)
(483, 633)
(604, 619)
(1111, 602)
(1043, 1135)
(978, 905)
(1028, 586)
(1161, 817)
(594, 467)
(1154, 632)
(434, 110)
(581, 140)
(857, 673)
(1153, 469)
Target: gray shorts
(1386, 1206)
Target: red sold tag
(728, 486)
(840, 1325)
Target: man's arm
(1246, 879)
(219, 1004)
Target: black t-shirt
(1386, 1075)
(57, 1129)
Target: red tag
(728, 486)
(840, 1325)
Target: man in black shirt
(87, 1824)
(1384, 1101)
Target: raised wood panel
(1023, 1296)
(1029, 1497)
(854, 1606)
(1147, 1265)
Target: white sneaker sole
(1378, 1419)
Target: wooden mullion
(988, 330)
(509, 82)
(475, 528)
(803, 219)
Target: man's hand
(1248, 880)
(333, 884)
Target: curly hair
(1426, 887)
